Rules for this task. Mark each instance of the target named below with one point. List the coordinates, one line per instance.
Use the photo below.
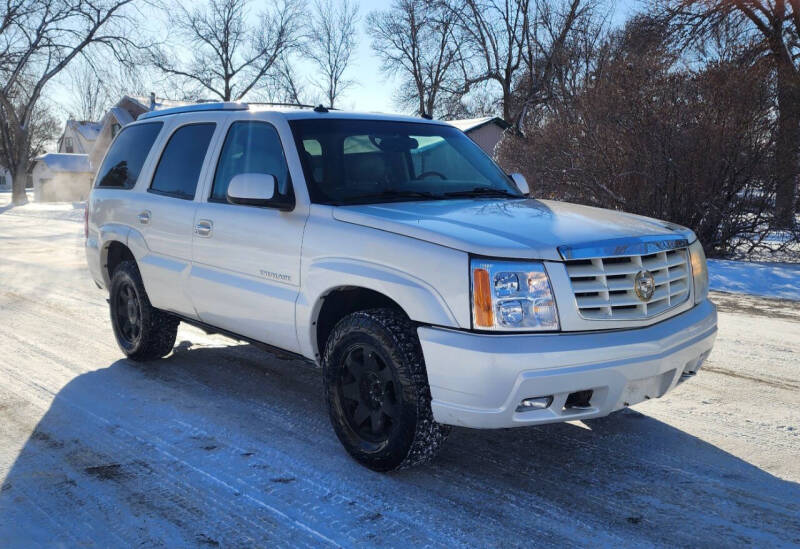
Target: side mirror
(252, 189)
(522, 185)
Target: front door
(245, 274)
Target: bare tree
(519, 45)
(774, 28)
(38, 40)
(88, 97)
(228, 56)
(653, 136)
(415, 40)
(331, 44)
(287, 85)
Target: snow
(221, 444)
(468, 124)
(89, 130)
(776, 280)
(64, 162)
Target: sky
(373, 91)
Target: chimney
(152, 101)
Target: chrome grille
(604, 287)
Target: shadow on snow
(228, 445)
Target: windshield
(349, 161)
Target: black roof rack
(317, 108)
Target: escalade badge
(644, 284)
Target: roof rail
(199, 107)
(301, 105)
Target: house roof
(122, 116)
(63, 162)
(144, 102)
(88, 130)
(471, 124)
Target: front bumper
(479, 380)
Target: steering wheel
(423, 175)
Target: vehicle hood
(521, 229)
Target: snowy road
(221, 444)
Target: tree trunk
(19, 174)
(787, 162)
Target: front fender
(420, 301)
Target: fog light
(536, 403)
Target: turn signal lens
(699, 271)
(482, 296)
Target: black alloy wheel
(142, 331)
(129, 314)
(376, 388)
(370, 394)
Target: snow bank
(778, 280)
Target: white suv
(394, 253)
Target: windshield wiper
(394, 194)
(483, 191)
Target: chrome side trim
(623, 247)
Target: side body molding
(421, 301)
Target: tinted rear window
(124, 160)
(179, 168)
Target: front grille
(604, 287)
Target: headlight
(511, 296)
(699, 271)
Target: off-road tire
(156, 334)
(414, 437)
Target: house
(125, 111)
(487, 132)
(79, 137)
(61, 177)
(67, 175)
(5, 179)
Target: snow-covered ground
(779, 280)
(221, 444)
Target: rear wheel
(377, 391)
(142, 331)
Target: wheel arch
(338, 287)
(118, 243)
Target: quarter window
(179, 168)
(122, 164)
(250, 147)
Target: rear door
(246, 259)
(166, 216)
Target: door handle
(144, 217)
(203, 228)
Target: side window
(179, 168)
(250, 147)
(312, 151)
(124, 161)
